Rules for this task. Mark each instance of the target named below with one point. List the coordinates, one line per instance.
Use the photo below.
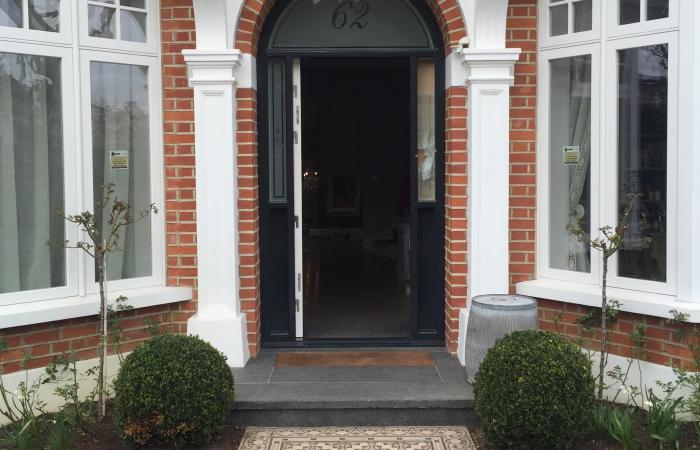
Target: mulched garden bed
(104, 436)
(602, 442)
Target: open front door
(298, 175)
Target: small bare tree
(610, 241)
(117, 215)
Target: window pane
(569, 162)
(101, 21)
(426, 129)
(657, 9)
(583, 16)
(642, 141)
(559, 20)
(629, 11)
(11, 13)
(133, 26)
(31, 173)
(43, 15)
(134, 3)
(277, 135)
(120, 155)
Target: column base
(225, 330)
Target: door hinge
(296, 138)
(298, 115)
(296, 221)
(295, 89)
(296, 302)
(298, 282)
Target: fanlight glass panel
(350, 24)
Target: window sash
(62, 36)
(615, 30)
(155, 164)
(152, 30)
(70, 174)
(544, 25)
(610, 184)
(544, 269)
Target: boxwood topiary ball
(174, 390)
(534, 390)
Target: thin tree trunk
(102, 264)
(603, 329)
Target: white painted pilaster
(490, 74)
(489, 77)
(218, 320)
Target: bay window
(65, 133)
(607, 119)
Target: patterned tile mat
(358, 438)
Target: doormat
(354, 359)
(357, 438)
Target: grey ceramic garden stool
(490, 318)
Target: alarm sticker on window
(572, 155)
(119, 159)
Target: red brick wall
(79, 337)
(662, 346)
(522, 33)
(455, 210)
(177, 34)
(248, 215)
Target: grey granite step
(375, 395)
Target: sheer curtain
(119, 94)
(570, 152)
(426, 129)
(31, 173)
(580, 135)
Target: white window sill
(589, 295)
(30, 313)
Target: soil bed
(602, 442)
(104, 436)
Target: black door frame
(280, 296)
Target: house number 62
(340, 17)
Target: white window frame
(76, 52)
(65, 27)
(155, 143)
(544, 24)
(70, 158)
(152, 30)
(614, 29)
(543, 161)
(610, 186)
(605, 43)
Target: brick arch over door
(254, 12)
(452, 24)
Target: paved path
(358, 438)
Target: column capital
(490, 65)
(211, 67)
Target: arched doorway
(351, 173)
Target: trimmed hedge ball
(175, 390)
(534, 390)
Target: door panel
(276, 209)
(281, 179)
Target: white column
(490, 74)
(218, 319)
(489, 77)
